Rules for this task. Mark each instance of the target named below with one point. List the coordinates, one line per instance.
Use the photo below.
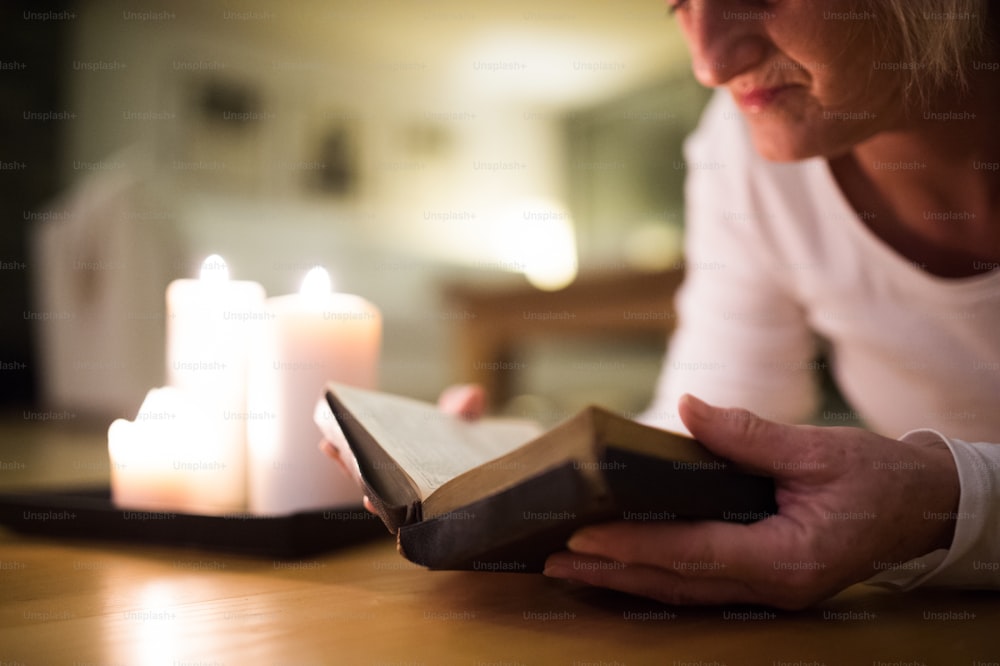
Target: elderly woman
(843, 186)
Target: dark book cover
(516, 527)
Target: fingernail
(554, 571)
(581, 541)
(556, 566)
(698, 407)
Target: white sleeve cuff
(973, 559)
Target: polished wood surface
(79, 603)
(90, 602)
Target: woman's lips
(757, 99)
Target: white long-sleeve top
(777, 263)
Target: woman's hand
(850, 504)
(349, 466)
(465, 400)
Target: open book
(502, 494)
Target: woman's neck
(931, 189)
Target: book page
(431, 446)
(570, 442)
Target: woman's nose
(723, 42)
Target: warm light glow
(214, 269)
(538, 239)
(654, 246)
(154, 626)
(178, 455)
(118, 434)
(167, 416)
(316, 282)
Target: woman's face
(810, 76)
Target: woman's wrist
(943, 495)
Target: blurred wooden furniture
(497, 321)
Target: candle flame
(214, 269)
(316, 282)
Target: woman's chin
(782, 147)
(790, 140)
(782, 143)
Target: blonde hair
(937, 39)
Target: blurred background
(480, 171)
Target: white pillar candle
(170, 459)
(309, 338)
(210, 327)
